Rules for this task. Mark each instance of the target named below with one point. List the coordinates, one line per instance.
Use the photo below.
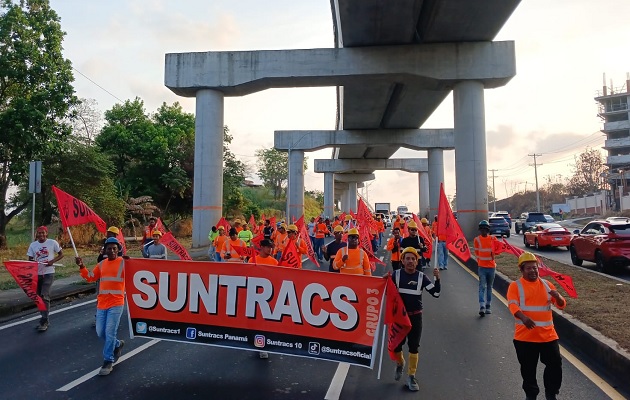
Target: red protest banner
(366, 245)
(73, 211)
(257, 239)
(395, 317)
(25, 274)
(244, 251)
(447, 224)
(428, 241)
(169, 241)
(256, 307)
(290, 256)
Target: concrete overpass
(393, 64)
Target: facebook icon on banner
(191, 333)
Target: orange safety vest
(390, 247)
(234, 256)
(358, 269)
(484, 250)
(533, 299)
(111, 289)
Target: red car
(607, 244)
(547, 235)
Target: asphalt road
(462, 356)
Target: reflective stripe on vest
(344, 252)
(523, 307)
(117, 278)
(417, 291)
(477, 247)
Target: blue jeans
(217, 256)
(317, 247)
(442, 254)
(107, 322)
(212, 253)
(486, 279)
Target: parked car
(527, 220)
(549, 218)
(618, 219)
(607, 244)
(506, 215)
(547, 235)
(499, 226)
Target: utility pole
(536, 175)
(494, 193)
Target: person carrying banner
(227, 253)
(147, 234)
(393, 245)
(219, 241)
(280, 239)
(246, 235)
(352, 259)
(333, 247)
(46, 252)
(410, 283)
(414, 240)
(110, 301)
(484, 245)
(292, 234)
(156, 250)
(214, 232)
(529, 300)
(321, 230)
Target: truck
(383, 208)
(402, 209)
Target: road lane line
(51, 313)
(94, 373)
(580, 366)
(334, 390)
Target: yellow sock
(413, 363)
(400, 358)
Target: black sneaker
(43, 326)
(118, 351)
(482, 312)
(107, 368)
(398, 371)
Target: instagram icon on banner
(259, 341)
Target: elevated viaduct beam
(435, 66)
(362, 164)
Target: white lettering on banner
(236, 338)
(279, 343)
(209, 335)
(164, 330)
(191, 289)
(361, 354)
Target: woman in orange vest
(109, 302)
(219, 241)
(484, 251)
(530, 299)
(280, 239)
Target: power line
(101, 87)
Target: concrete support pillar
(436, 176)
(329, 195)
(296, 185)
(423, 198)
(208, 185)
(343, 196)
(470, 155)
(352, 196)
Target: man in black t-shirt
(334, 246)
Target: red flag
(226, 225)
(25, 274)
(273, 222)
(447, 224)
(252, 222)
(366, 245)
(290, 256)
(73, 211)
(396, 317)
(244, 251)
(257, 239)
(563, 280)
(299, 223)
(499, 247)
(169, 241)
(121, 239)
(428, 241)
(309, 245)
(342, 217)
(263, 218)
(159, 225)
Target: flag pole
(435, 252)
(76, 254)
(380, 361)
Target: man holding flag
(410, 282)
(46, 252)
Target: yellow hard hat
(410, 250)
(412, 224)
(283, 226)
(156, 232)
(424, 221)
(526, 256)
(353, 231)
(338, 228)
(113, 230)
(292, 228)
(348, 217)
(221, 228)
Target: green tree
(273, 169)
(587, 173)
(35, 95)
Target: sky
(563, 48)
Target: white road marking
(51, 313)
(94, 373)
(586, 371)
(334, 390)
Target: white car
(624, 220)
(388, 221)
(549, 218)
